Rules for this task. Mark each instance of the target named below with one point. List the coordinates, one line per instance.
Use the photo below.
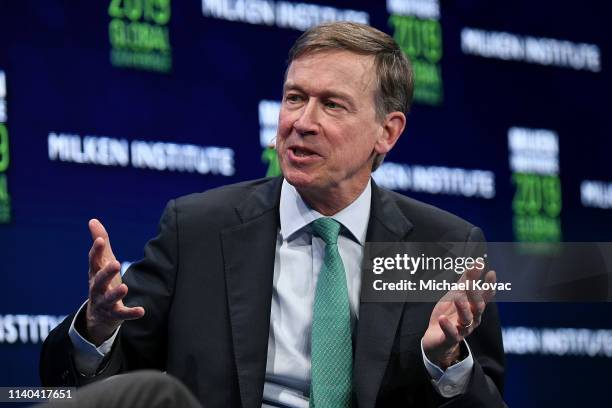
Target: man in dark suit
(250, 292)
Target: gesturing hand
(455, 316)
(105, 308)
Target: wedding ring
(468, 325)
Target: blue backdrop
(110, 108)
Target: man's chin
(300, 180)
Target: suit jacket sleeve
(141, 343)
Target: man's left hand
(455, 316)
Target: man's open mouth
(302, 152)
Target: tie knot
(328, 229)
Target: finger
(95, 256)
(473, 274)
(478, 309)
(122, 312)
(103, 278)
(479, 299)
(474, 295)
(471, 277)
(470, 274)
(476, 299)
(115, 294)
(450, 331)
(490, 279)
(465, 318)
(97, 230)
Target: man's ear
(392, 128)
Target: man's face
(327, 129)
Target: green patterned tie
(332, 349)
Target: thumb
(97, 230)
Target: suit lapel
(248, 253)
(378, 322)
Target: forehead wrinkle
(365, 82)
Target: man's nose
(307, 123)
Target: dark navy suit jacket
(206, 284)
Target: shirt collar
(295, 214)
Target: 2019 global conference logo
(139, 35)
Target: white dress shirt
(299, 256)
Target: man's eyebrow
(290, 86)
(325, 94)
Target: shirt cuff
(455, 379)
(87, 357)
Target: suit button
(65, 375)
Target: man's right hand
(105, 308)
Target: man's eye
(293, 98)
(333, 105)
